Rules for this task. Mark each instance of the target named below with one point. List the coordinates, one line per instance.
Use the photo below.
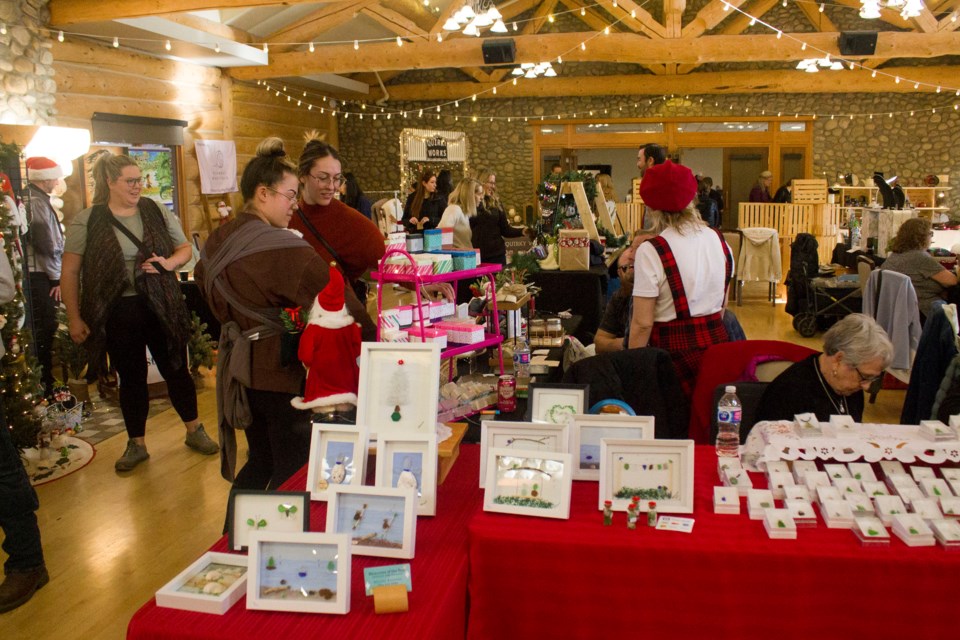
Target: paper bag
(574, 247)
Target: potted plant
(200, 348)
(73, 360)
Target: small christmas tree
(19, 379)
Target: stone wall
(26, 64)
(914, 143)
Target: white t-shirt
(453, 216)
(702, 264)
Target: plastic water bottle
(728, 424)
(521, 361)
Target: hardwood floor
(112, 541)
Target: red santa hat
(40, 168)
(331, 298)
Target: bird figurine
(339, 472)
(358, 516)
(886, 193)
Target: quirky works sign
(437, 148)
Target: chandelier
(813, 65)
(870, 9)
(475, 15)
(530, 70)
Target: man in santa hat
(45, 257)
(329, 348)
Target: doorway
(741, 168)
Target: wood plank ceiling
(349, 48)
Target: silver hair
(860, 339)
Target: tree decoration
(19, 383)
(200, 346)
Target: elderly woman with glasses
(120, 289)
(910, 257)
(337, 232)
(856, 351)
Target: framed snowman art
(338, 457)
(410, 463)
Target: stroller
(804, 267)
(816, 304)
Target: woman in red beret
(680, 276)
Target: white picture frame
(529, 436)
(410, 461)
(660, 470)
(252, 510)
(587, 430)
(528, 483)
(555, 403)
(338, 456)
(294, 564)
(212, 584)
(379, 521)
(399, 399)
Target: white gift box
(428, 334)
(837, 514)
(860, 504)
(836, 471)
(826, 494)
(874, 488)
(424, 308)
(405, 315)
(446, 236)
(936, 430)
(919, 473)
(807, 425)
(950, 506)
(424, 262)
(887, 507)
(950, 474)
(891, 467)
(796, 492)
(927, 509)
(909, 494)
(390, 318)
(870, 530)
(802, 467)
(848, 486)
(816, 479)
(726, 500)
(779, 524)
(394, 335)
(462, 332)
(739, 479)
(947, 532)
(396, 240)
(935, 488)
(758, 501)
(400, 265)
(777, 466)
(913, 530)
(777, 481)
(414, 242)
(862, 471)
(442, 263)
(843, 426)
(802, 512)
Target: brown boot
(18, 588)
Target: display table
(539, 578)
(582, 292)
(437, 602)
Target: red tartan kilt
(686, 340)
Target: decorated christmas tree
(19, 379)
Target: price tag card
(383, 576)
(673, 523)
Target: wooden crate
(809, 191)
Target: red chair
(728, 363)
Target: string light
(60, 36)
(356, 45)
(821, 7)
(167, 45)
(266, 48)
(216, 47)
(399, 41)
(116, 42)
(583, 46)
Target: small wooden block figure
(607, 513)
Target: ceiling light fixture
(475, 15)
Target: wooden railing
(630, 215)
(820, 220)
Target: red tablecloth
(542, 578)
(437, 602)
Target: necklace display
(841, 407)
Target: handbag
(360, 287)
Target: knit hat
(331, 298)
(40, 168)
(766, 174)
(668, 187)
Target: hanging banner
(426, 145)
(218, 166)
(437, 149)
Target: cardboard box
(461, 332)
(429, 334)
(446, 237)
(414, 242)
(432, 239)
(464, 259)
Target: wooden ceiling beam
(888, 16)
(312, 25)
(213, 28)
(540, 17)
(646, 23)
(64, 12)
(820, 21)
(739, 23)
(617, 47)
(730, 82)
(709, 16)
(390, 19)
(673, 17)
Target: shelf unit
(915, 195)
(490, 339)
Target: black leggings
(278, 438)
(131, 328)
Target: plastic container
(728, 424)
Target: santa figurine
(329, 348)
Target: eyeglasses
(326, 178)
(291, 198)
(624, 268)
(132, 182)
(866, 379)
